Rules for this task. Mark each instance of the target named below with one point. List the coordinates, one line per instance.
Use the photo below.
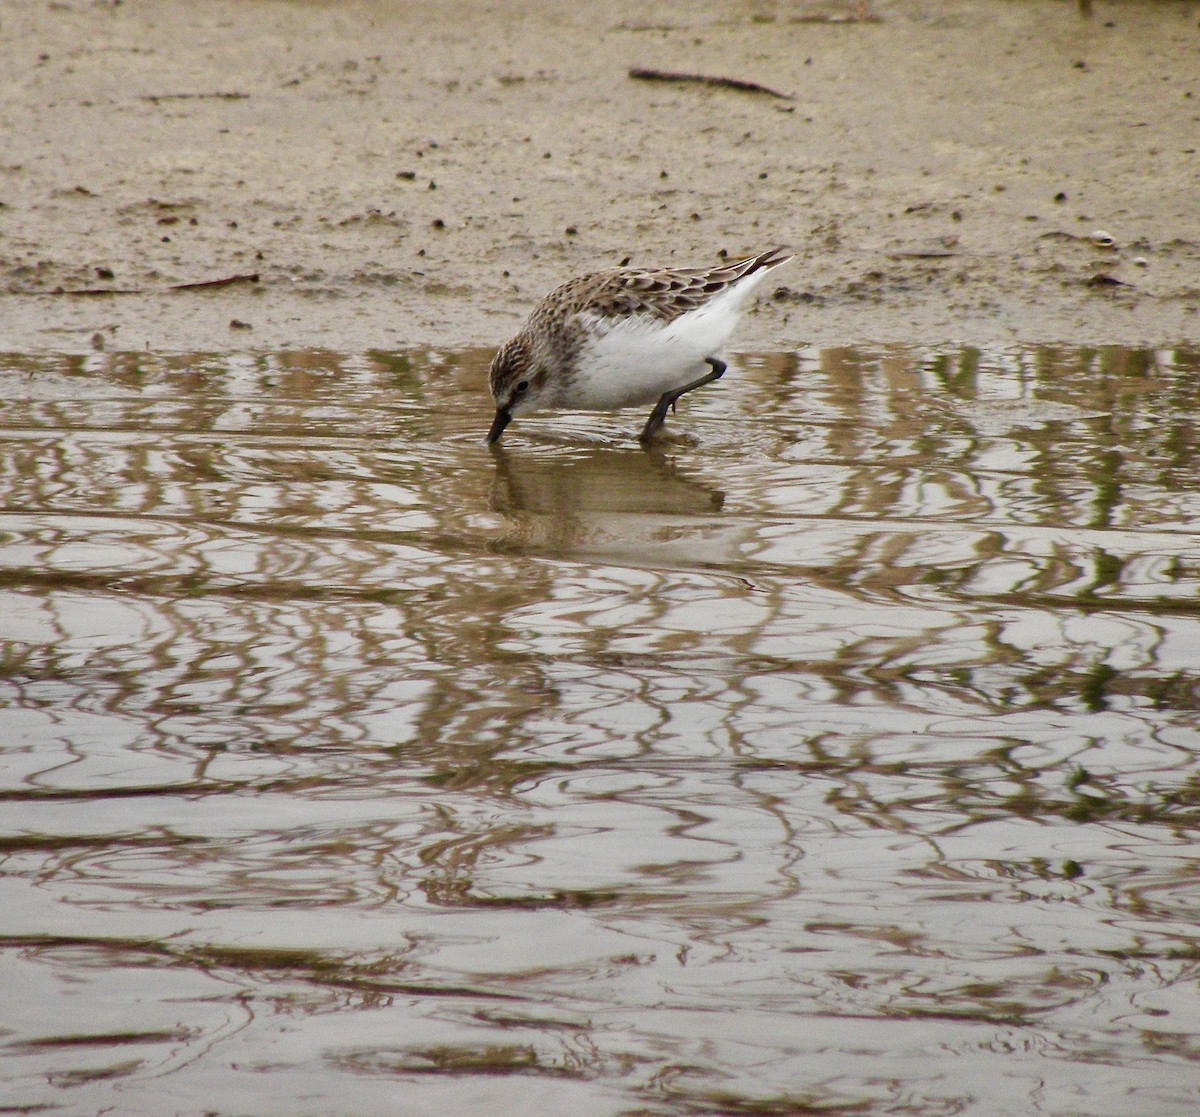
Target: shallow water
(837, 755)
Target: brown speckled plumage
(662, 293)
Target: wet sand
(419, 174)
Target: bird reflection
(597, 496)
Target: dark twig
(154, 98)
(247, 277)
(203, 284)
(923, 254)
(1103, 279)
(706, 79)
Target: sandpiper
(624, 336)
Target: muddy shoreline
(419, 174)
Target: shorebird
(625, 336)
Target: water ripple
(836, 753)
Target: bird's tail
(772, 258)
(743, 276)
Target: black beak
(502, 419)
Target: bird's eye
(522, 386)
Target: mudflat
(223, 174)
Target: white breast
(633, 360)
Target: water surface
(838, 754)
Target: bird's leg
(667, 399)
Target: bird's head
(517, 383)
